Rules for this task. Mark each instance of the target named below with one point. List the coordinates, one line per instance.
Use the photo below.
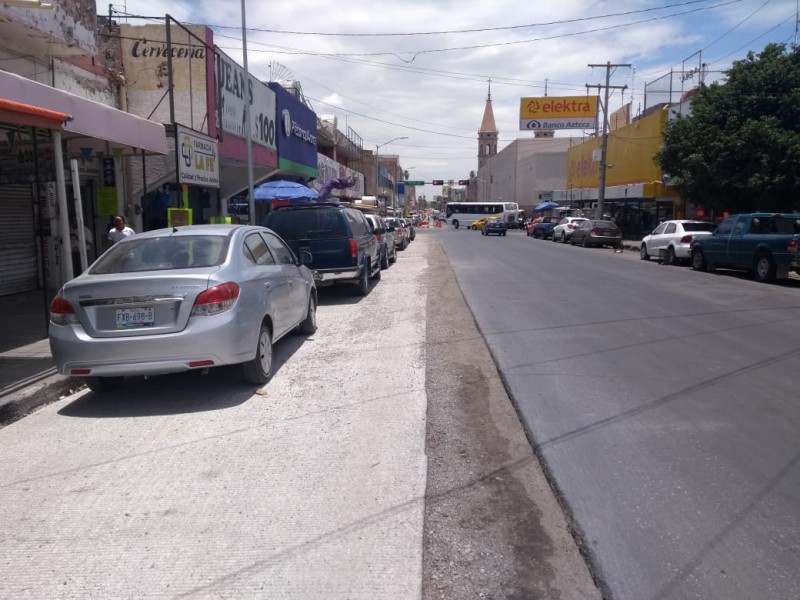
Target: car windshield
(303, 224)
(393, 223)
(699, 227)
(162, 253)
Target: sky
(420, 69)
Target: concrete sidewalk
(28, 377)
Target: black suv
(341, 242)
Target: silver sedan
(178, 299)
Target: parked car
(543, 229)
(340, 240)
(563, 231)
(409, 225)
(494, 226)
(385, 236)
(765, 243)
(597, 233)
(179, 299)
(478, 224)
(675, 239)
(400, 232)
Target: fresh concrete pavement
(314, 486)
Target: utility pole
(601, 190)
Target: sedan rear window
(162, 253)
(699, 226)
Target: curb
(23, 402)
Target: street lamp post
(378, 169)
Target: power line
(477, 30)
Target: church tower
(487, 135)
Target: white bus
(462, 214)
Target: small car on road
(563, 231)
(597, 233)
(675, 239)
(386, 237)
(494, 226)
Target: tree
(739, 150)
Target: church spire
(487, 134)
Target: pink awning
(89, 118)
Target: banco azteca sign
(558, 112)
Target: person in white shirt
(120, 230)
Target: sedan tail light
(61, 312)
(216, 300)
(686, 239)
(379, 237)
(595, 231)
(793, 245)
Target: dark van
(341, 242)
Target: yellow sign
(221, 220)
(107, 201)
(179, 217)
(558, 112)
(629, 156)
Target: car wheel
(764, 268)
(404, 245)
(571, 240)
(553, 238)
(362, 289)
(698, 260)
(584, 243)
(643, 252)
(564, 238)
(669, 259)
(377, 275)
(104, 385)
(259, 370)
(505, 232)
(385, 258)
(455, 224)
(393, 259)
(309, 324)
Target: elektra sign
(552, 112)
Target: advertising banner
(554, 112)
(330, 169)
(296, 134)
(198, 162)
(233, 92)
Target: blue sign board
(296, 134)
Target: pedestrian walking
(120, 230)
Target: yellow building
(636, 195)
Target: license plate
(131, 318)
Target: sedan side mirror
(305, 257)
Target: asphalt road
(664, 406)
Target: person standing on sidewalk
(120, 231)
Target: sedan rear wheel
(309, 325)
(259, 369)
(669, 259)
(643, 252)
(385, 258)
(584, 243)
(103, 385)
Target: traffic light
(437, 182)
(463, 182)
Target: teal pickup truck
(765, 243)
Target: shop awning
(89, 118)
(20, 113)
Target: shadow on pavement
(189, 392)
(338, 295)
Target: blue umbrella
(284, 190)
(540, 207)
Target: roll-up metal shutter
(18, 263)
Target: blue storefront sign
(296, 134)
